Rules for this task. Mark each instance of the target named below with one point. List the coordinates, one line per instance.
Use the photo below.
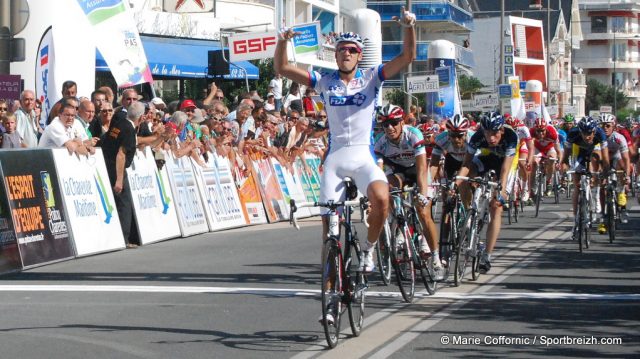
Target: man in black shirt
(118, 148)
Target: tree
(599, 94)
(397, 97)
(468, 85)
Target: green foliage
(397, 97)
(599, 94)
(468, 85)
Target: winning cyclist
(619, 158)
(493, 147)
(582, 141)
(547, 144)
(402, 150)
(350, 97)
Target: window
(618, 24)
(619, 51)
(599, 24)
(391, 31)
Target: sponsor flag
(113, 23)
(45, 88)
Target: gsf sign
(252, 46)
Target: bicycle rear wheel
(474, 236)
(556, 187)
(538, 192)
(446, 245)
(331, 292)
(403, 263)
(383, 254)
(357, 292)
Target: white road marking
(308, 292)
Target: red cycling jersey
(546, 143)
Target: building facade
(436, 20)
(610, 52)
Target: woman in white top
(293, 101)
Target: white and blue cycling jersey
(479, 146)
(350, 107)
(403, 153)
(444, 144)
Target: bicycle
(453, 213)
(470, 245)
(383, 255)
(343, 284)
(540, 183)
(611, 209)
(515, 204)
(583, 217)
(406, 234)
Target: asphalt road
(253, 293)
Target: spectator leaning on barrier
(118, 148)
(25, 119)
(298, 135)
(65, 131)
(10, 139)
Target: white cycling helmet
(607, 118)
(349, 37)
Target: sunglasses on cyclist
(350, 49)
(606, 125)
(456, 134)
(541, 130)
(391, 123)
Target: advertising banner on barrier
(271, 193)
(191, 215)
(219, 194)
(36, 206)
(88, 199)
(291, 188)
(250, 197)
(153, 202)
(9, 255)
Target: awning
(183, 58)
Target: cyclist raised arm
(348, 59)
(350, 98)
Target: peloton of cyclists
(402, 150)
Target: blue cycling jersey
(505, 148)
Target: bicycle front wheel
(383, 254)
(611, 217)
(357, 292)
(331, 292)
(462, 259)
(556, 187)
(446, 245)
(403, 263)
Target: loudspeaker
(217, 65)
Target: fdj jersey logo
(357, 100)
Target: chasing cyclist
(350, 97)
(493, 147)
(619, 158)
(547, 145)
(402, 150)
(583, 141)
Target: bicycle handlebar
(330, 204)
(479, 180)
